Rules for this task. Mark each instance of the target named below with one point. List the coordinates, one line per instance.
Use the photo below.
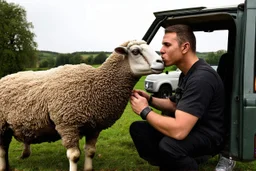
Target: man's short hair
(184, 34)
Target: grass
(115, 151)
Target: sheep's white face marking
(142, 58)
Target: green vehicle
(239, 24)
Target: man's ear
(185, 47)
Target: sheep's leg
(5, 141)
(26, 151)
(90, 149)
(70, 140)
(73, 155)
(2, 158)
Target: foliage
(100, 58)
(47, 59)
(202, 54)
(62, 59)
(17, 47)
(89, 60)
(170, 68)
(213, 57)
(75, 59)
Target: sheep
(71, 101)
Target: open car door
(243, 119)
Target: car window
(206, 41)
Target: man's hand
(138, 101)
(142, 93)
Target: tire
(165, 91)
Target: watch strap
(144, 113)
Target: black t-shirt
(201, 93)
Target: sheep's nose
(158, 65)
(159, 61)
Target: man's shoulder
(205, 74)
(205, 71)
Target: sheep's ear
(121, 50)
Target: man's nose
(162, 51)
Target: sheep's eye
(135, 51)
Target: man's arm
(158, 103)
(178, 127)
(163, 104)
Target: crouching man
(195, 124)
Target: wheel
(165, 91)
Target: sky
(67, 26)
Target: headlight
(148, 85)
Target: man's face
(171, 51)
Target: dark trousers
(167, 152)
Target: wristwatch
(144, 113)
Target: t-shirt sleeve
(196, 97)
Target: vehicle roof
(199, 10)
(201, 18)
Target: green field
(115, 151)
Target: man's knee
(170, 148)
(137, 127)
(134, 126)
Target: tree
(62, 59)
(47, 62)
(17, 47)
(75, 59)
(100, 58)
(89, 60)
(44, 63)
(213, 57)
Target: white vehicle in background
(164, 84)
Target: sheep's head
(142, 58)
